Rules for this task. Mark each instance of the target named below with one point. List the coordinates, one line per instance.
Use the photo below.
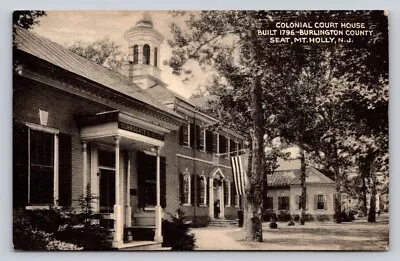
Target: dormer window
(146, 54)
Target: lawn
(357, 235)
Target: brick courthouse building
(142, 149)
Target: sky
(66, 27)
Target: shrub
(323, 218)
(291, 223)
(269, 216)
(201, 221)
(176, 233)
(347, 217)
(296, 218)
(284, 216)
(273, 225)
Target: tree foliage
(104, 52)
(27, 19)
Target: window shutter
(208, 192)
(222, 144)
(141, 174)
(163, 182)
(193, 190)
(197, 136)
(181, 194)
(65, 170)
(181, 134)
(325, 203)
(209, 141)
(192, 136)
(315, 202)
(20, 164)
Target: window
(146, 54)
(185, 189)
(203, 187)
(202, 136)
(283, 203)
(227, 144)
(269, 203)
(209, 141)
(222, 144)
(41, 167)
(232, 147)
(155, 56)
(184, 134)
(320, 202)
(227, 193)
(135, 54)
(215, 141)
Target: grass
(358, 235)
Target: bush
(201, 221)
(284, 216)
(176, 233)
(347, 217)
(269, 216)
(308, 217)
(296, 218)
(273, 225)
(323, 218)
(291, 223)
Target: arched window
(203, 187)
(135, 54)
(155, 56)
(146, 54)
(185, 188)
(227, 193)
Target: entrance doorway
(107, 190)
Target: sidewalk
(216, 238)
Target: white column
(84, 174)
(211, 198)
(56, 173)
(118, 224)
(221, 200)
(128, 209)
(158, 236)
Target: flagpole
(221, 154)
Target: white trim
(56, 171)
(54, 132)
(227, 204)
(42, 128)
(201, 160)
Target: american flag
(239, 166)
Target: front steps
(143, 246)
(224, 223)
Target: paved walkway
(216, 238)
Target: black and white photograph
(200, 130)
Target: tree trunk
(303, 175)
(255, 189)
(364, 196)
(372, 202)
(338, 196)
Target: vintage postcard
(200, 130)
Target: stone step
(143, 246)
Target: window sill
(186, 205)
(37, 207)
(203, 205)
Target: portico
(216, 192)
(114, 138)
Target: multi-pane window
(41, 167)
(185, 134)
(320, 202)
(283, 203)
(203, 187)
(270, 203)
(227, 193)
(185, 197)
(232, 147)
(227, 144)
(202, 136)
(215, 140)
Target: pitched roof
(165, 95)
(292, 177)
(60, 56)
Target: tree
(104, 52)
(27, 19)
